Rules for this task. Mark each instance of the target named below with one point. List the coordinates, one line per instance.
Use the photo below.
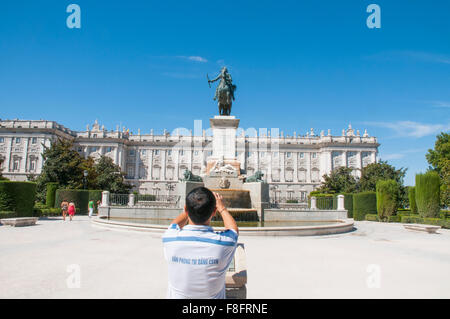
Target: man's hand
(228, 220)
(219, 204)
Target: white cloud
(193, 58)
(401, 154)
(412, 129)
(440, 104)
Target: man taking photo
(198, 257)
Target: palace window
(181, 152)
(288, 154)
(314, 155)
(17, 140)
(131, 153)
(195, 153)
(156, 152)
(34, 140)
(108, 149)
(2, 140)
(302, 155)
(80, 149)
(16, 164)
(32, 164)
(169, 152)
(209, 153)
(143, 152)
(130, 171)
(93, 149)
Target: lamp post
(169, 187)
(85, 174)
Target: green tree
(439, 159)
(374, 172)
(109, 177)
(427, 194)
(387, 198)
(340, 180)
(62, 165)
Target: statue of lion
(257, 177)
(188, 176)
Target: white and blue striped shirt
(198, 259)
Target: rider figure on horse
(224, 92)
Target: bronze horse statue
(224, 92)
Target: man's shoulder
(227, 237)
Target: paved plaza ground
(120, 264)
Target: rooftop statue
(224, 91)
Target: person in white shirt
(198, 257)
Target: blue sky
(296, 64)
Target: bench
(431, 229)
(20, 221)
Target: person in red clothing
(72, 210)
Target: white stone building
(292, 165)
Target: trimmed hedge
(394, 219)
(444, 223)
(80, 197)
(51, 194)
(428, 194)
(387, 198)
(364, 203)
(412, 199)
(348, 203)
(18, 197)
(412, 220)
(372, 217)
(376, 218)
(8, 214)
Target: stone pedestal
(224, 142)
(259, 195)
(183, 188)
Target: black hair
(200, 204)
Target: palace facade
(292, 165)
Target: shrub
(387, 198)
(292, 201)
(371, 217)
(394, 219)
(428, 194)
(79, 197)
(412, 199)
(364, 203)
(18, 197)
(51, 193)
(8, 214)
(411, 220)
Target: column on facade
(137, 157)
(164, 165)
(8, 158)
(116, 155)
(373, 157)
(308, 167)
(282, 166)
(24, 168)
(345, 159)
(150, 164)
(295, 154)
(176, 154)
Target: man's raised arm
(228, 220)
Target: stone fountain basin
(335, 227)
